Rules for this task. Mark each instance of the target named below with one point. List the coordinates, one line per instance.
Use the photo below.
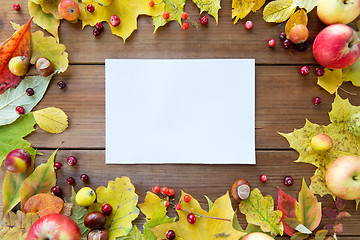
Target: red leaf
(338, 228)
(330, 213)
(330, 228)
(343, 215)
(340, 203)
(17, 45)
(287, 205)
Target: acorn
(241, 190)
(43, 66)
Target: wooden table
(283, 101)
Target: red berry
(151, 3)
(184, 15)
(114, 20)
(90, 8)
(185, 25)
(156, 189)
(204, 20)
(171, 192)
(288, 181)
(249, 25)
(320, 71)
(272, 43)
(304, 70)
(99, 26)
(30, 91)
(84, 177)
(71, 160)
(263, 178)
(96, 32)
(170, 234)
(178, 206)
(282, 36)
(286, 43)
(61, 84)
(191, 218)
(164, 190)
(20, 110)
(55, 190)
(106, 209)
(16, 7)
(57, 165)
(317, 101)
(70, 181)
(187, 198)
(166, 15)
(166, 203)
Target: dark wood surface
(283, 101)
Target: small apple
(54, 226)
(343, 177)
(257, 236)
(337, 46)
(338, 11)
(19, 65)
(298, 34)
(321, 142)
(69, 10)
(17, 161)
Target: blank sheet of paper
(180, 111)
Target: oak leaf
(51, 119)
(43, 204)
(78, 214)
(299, 17)
(331, 80)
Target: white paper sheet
(180, 111)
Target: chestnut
(43, 66)
(95, 220)
(241, 190)
(98, 234)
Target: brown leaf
(20, 218)
(66, 210)
(10, 219)
(11, 234)
(30, 218)
(43, 204)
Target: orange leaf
(43, 204)
(299, 17)
(17, 45)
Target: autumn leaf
(299, 17)
(307, 4)
(321, 234)
(50, 7)
(135, 234)
(331, 80)
(260, 211)
(258, 5)
(278, 10)
(17, 45)
(352, 73)
(17, 225)
(220, 228)
(241, 8)
(128, 12)
(51, 119)
(152, 204)
(78, 214)
(210, 6)
(175, 9)
(287, 205)
(43, 204)
(8, 233)
(40, 181)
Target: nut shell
(95, 220)
(43, 66)
(241, 190)
(98, 234)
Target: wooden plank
(283, 101)
(197, 180)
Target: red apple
(338, 11)
(343, 177)
(17, 161)
(54, 226)
(321, 142)
(69, 10)
(257, 236)
(337, 46)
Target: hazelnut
(43, 66)
(95, 220)
(98, 234)
(241, 190)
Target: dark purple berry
(96, 32)
(286, 43)
(61, 84)
(282, 36)
(301, 46)
(71, 160)
(317, 101)
(99, 26)
(320, 71)
(55, 190)
(70, 181)
(304, 70)
(84, 177)
(57, 165)
(288, 181)
(90, 8)
(30, 91)
(170, 234)
(191, 218)
(106, 209)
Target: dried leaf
(66, 210)
(30, 218)
(299, 236)
(297, 225)
(299, 17)
(241, 8)
(151, 205)
(78, 214)
(331, 80)
(287, 205)
(52, 120)
(20, 219)
(260, 211)
(10, 219)
(11, 233)
(43, 204)
(330, 213)
(17, 45)
(278, 10)
(175, 9)
(321, 234)
(343, 215)
(212, 7)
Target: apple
(69, 10)
(19, 65)
(343, 177)
(321, 142)
(17, 161)
(338, 11)
(257, 236)
(298, 34)
(54, 226)
(337, 46)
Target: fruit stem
(200, 215)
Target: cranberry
(71, 160)
(301, 46)
(166, 15)
(170, 234)
(57, 165)
(90, 8)
(16, 7)
(166, 203)
(185, 25)
(282, 36)
(320, 71)
(114, 20)
(317, 101)
(61, 84)
(204, 20)
(30, 91)
(249, 25)
(20, 110)
(178, 206)
(70, 181)
(151, 3)
(106, 209)
(304, 70)
(191, 218)
(171, 192)
(184, 15)
(164, 190)
(263, 178)
(96, 32)
(84, 177)
(55, 190)
(99, 26)
(287, 43)
(272, 43)
(288, 181)
(156, 189)
(187, 198)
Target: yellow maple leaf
(241, 8)
(215, 224)
(331, 80)
(175, 9)
(299, 17)
(278, 11)
(128, 12)
(51, 119)
(152, 204)
(210, 6)
(258, 5)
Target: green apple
(321, 142)
(343, 177)
(257, 236)
(338, 11)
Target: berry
(187, 198)
(16, 7)
(170, 234)
(304, 70)
(272, 43)
(20, 110)
(286, 43)
(249, 25)
(70, 181)
(185, 25)
(151, 3)
(171, 192)
(301, 46)
(71, 160)
(114, 20)
(90, 8)
(178, 206)
(84, 177)
(164, 190)
(184, 15)
(156, 189)
(30, 91)
(99, 26)
(191, 218)
(317, 101)
(55, 190)
(166, 15)
(96, 32)
(166, 203)
(61, 84)
(57, 165)
(106, 209)
(288, 181)
(263, 178)
(319, 71)
(204, 20)
(282, 36)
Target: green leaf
(241, 8)
(321, 234)
(331, 80)
(299, 236)
(236, 224)
(175, 9)
(14, 97)
(260, 211)
(250, 228)
(297, 225)
(11, 136)
(210, 6)
(307, 4)
(210, 203)
(278, 11)
(352, 73)
(50, 7)
(157, 219)
(135, 234)
(78, 214)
